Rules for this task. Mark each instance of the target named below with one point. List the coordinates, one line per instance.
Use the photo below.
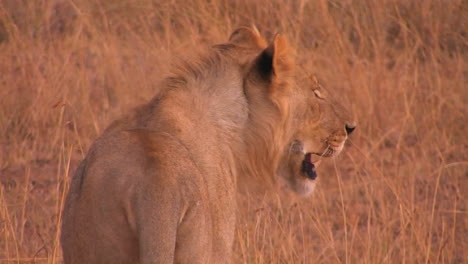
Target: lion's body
(163, 174)
(159, 185)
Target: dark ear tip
(265, 64)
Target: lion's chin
(303, 187)
(305, 179)
(300, 183)
(300, 172)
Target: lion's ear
(276, 61)
(248, 37)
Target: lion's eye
(318, 94)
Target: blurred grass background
(397, 194)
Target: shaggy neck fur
(252, 137)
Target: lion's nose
(349, 129)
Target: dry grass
(396, 195)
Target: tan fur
(159, 185)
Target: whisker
(324, 152)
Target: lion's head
(293, 121)
(322, 126)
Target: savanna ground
(397, 194)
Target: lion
(159, 185)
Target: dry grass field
(397, 193)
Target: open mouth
(308, 168)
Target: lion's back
(103, 180)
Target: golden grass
(396, 194)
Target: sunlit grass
(395, 195)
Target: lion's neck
(210, 115)
(207, 114)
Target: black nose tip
(349, 129)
